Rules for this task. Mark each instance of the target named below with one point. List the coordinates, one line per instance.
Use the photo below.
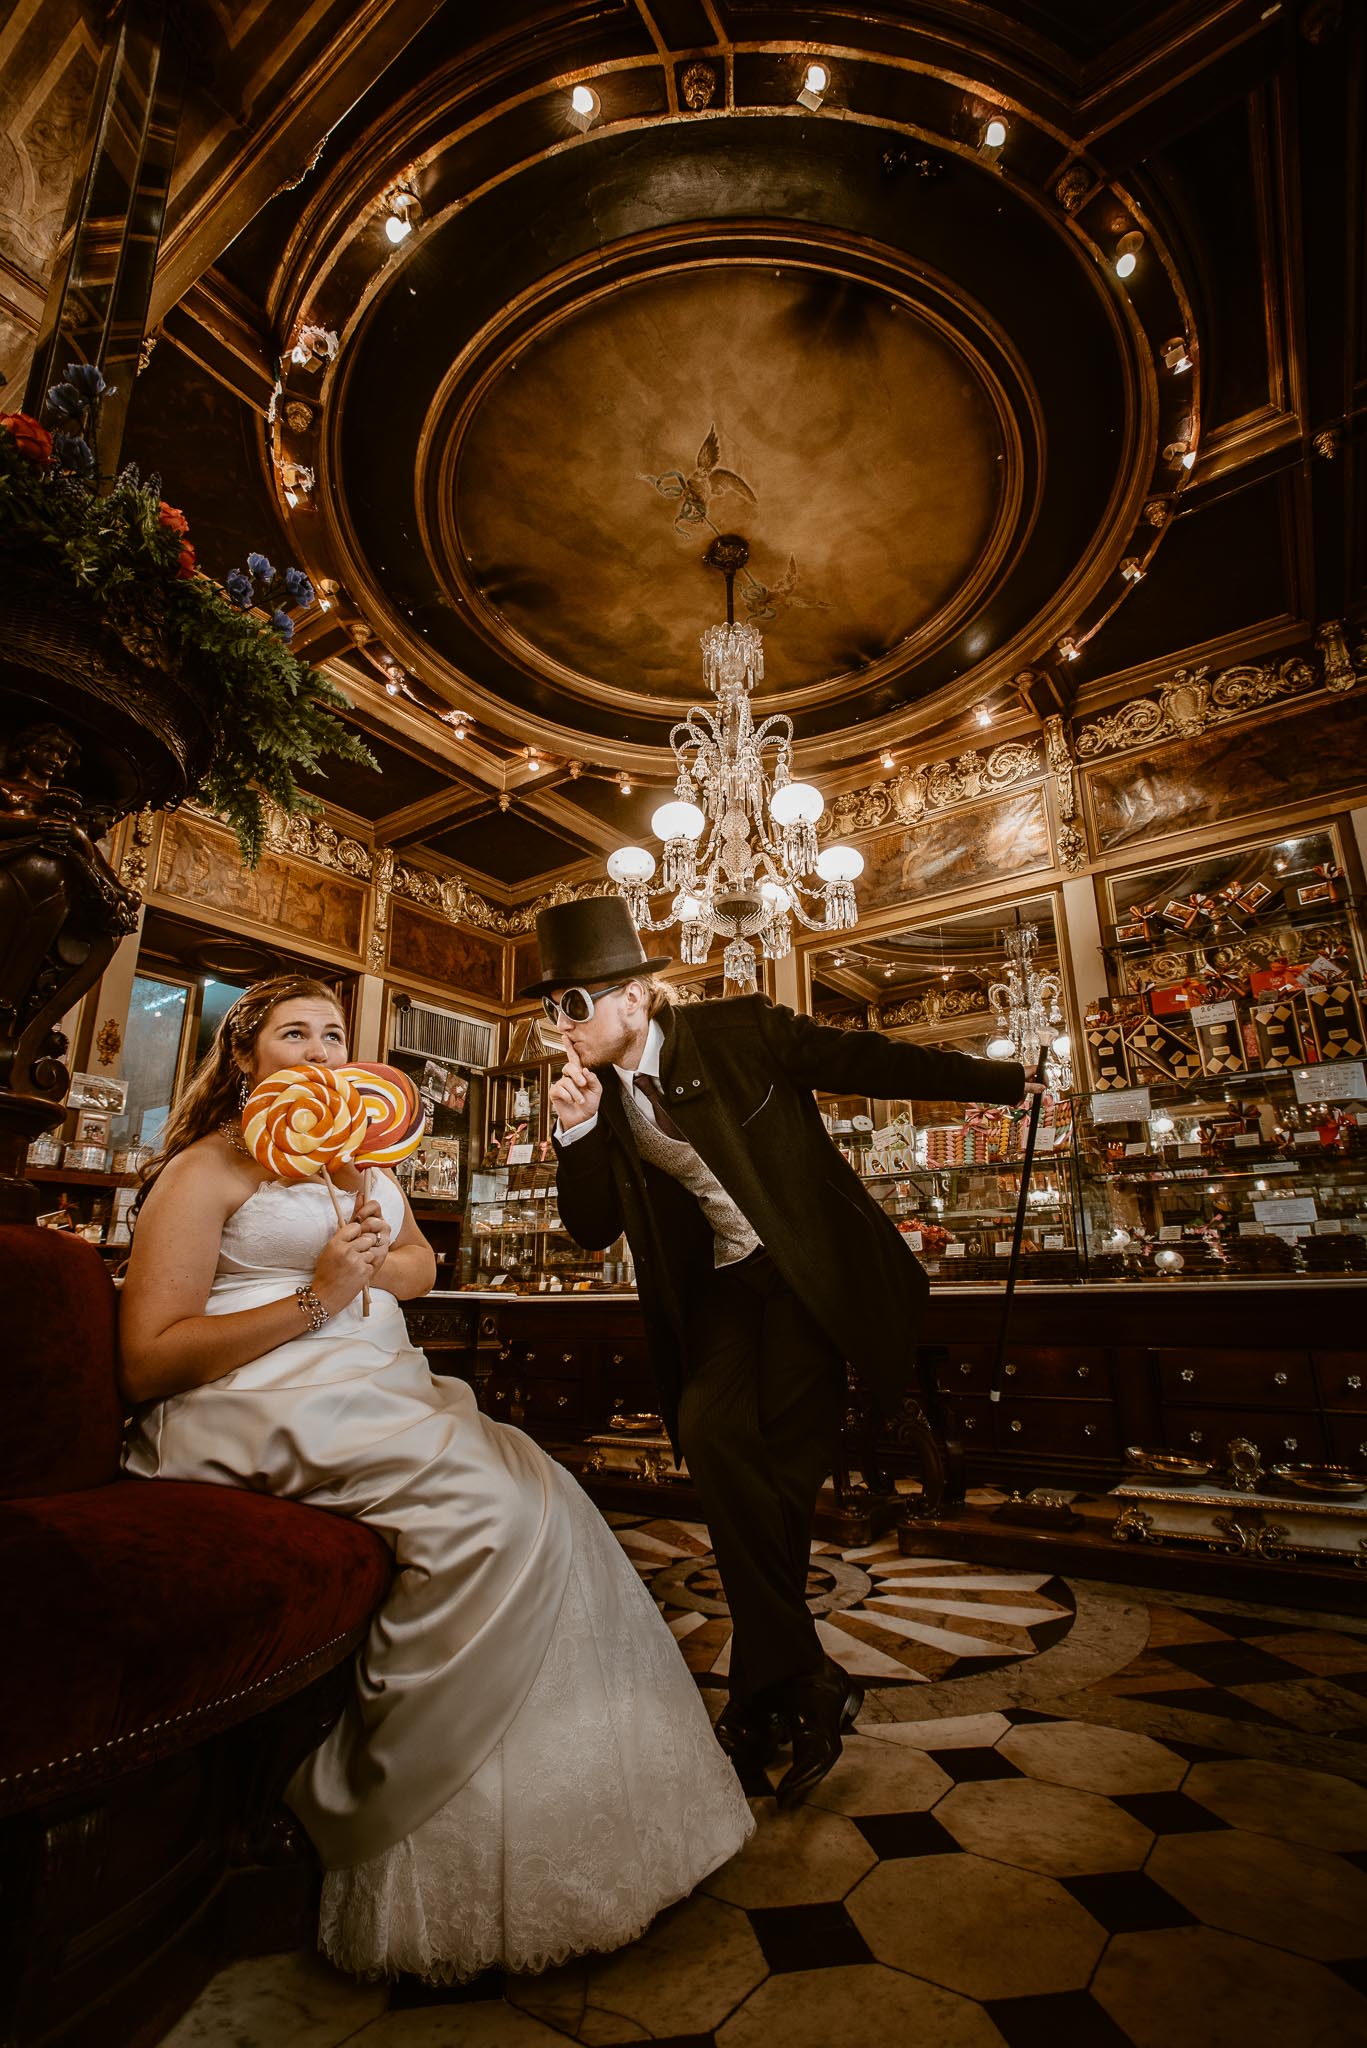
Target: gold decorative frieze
(935, 786)
(133, 868)
(314, 839)
(1194, 700)
(455, 900)
(933, 1006)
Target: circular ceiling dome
(862, 447)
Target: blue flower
(239, 589)
(298, 588)
(66, 401)
(260, 568)
(283, 624)
(73, 454)
(88, 379)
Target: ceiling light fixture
(625, 787)
(585, 107)
(814, 83)
(1132, 569)
(1127, 253)
(888, 761)
(1068, 647)
(740, 847)
(403, 211)
(994, 135)
(1176, 355)
(983, 715)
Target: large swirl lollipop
(300, 1121)
(398, 1120)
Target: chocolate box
(1336, 1022)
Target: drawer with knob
(1080, 1373)
(1347, 1436)
(1068, 1429)
(1291, 1438)
(1343, 1378)
(1276, 1379)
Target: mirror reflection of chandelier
(740, 852)
(1027, 1012)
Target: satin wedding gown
(525, 1770)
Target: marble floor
(1073, 1814)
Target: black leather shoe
(821, 1709)
(749, 1735)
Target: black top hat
(591, 940)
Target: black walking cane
(1050, 1513)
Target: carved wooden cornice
(453, 899)
(1193, 700)
(935, 786)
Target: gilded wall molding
(1193, 700)
(933, 1007)
(1070, 838)
(934, 786)
(453, 899)
(311, 838)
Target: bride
(525, 1770)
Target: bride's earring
(244, 1089)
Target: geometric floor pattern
(1167, 1847)
(890, 1620)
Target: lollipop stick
(341, 1219)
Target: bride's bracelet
(312, 1307)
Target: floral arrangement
(125, 556)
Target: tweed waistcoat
(732, 1237)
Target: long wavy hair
(214, 1094)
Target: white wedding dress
(526, 1770)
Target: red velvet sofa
(170, 1650)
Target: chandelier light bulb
(776, 896)
(631, 865)
(678, 820)
(1062, 1046)
(688, 908)
(796, 803)
(1001, 1047)
(840, 864)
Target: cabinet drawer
(1343, 1378)
(1347, 1436)
(1277, 1378)
(965, 1369)
(1082, 1374)
(430, 1322)
(972, 1420)
(557, 1356)
(554, 1401)
(1293, 1436)
(1071, 1429)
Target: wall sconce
(1127, 253)
(585, 107)
(814, 83)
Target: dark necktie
(649, 1087)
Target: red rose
(171, 519)
(185, 561)
(30, 436)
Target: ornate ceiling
(895, 357)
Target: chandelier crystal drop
(1027, 1013)
(740, 848)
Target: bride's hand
(375, 1239)
(345, 1265)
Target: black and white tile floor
(1029, 1840)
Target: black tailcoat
(737, 1077)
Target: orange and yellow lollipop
(300, 1121)
(398, 1120)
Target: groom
(761, 1265)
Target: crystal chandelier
(1026, 1011)
(740, 851)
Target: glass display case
(1225, 1133)
(512, 1237)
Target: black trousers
(760, 1412)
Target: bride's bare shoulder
(210, 1172)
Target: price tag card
(1246, 1139)
(1189, 1151)
(1213, 1013)
(913, 1238)
(1340, 1082)
(1170, 1230)
(520, 1155)
(1001, 1251)
(1286, 1209)
(1138, 1147)
(1054, 1242)
(1125, 1106)
(1305, 1137)
(955, 1251)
